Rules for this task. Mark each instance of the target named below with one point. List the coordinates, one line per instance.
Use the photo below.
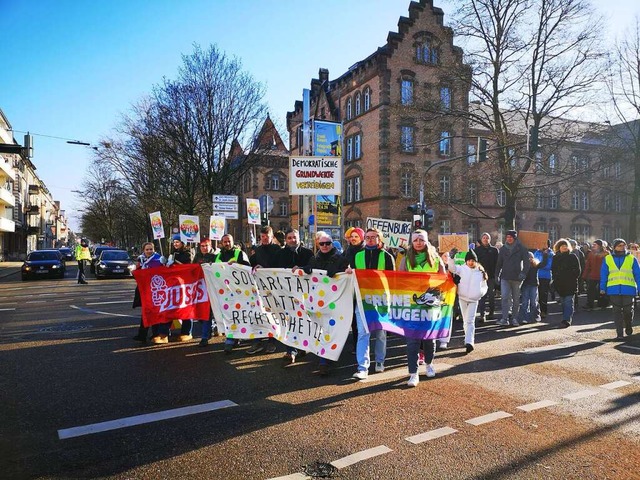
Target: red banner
(170, 293)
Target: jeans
(207, 326)
(567, 308)
(413, 348)
(81, 265)
(469, 310)
(362, 347)
(543, 294)
(510, 293)
(489, 296)
(529, 310)
(187, 327)
(622, 312)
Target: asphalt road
(531, 402)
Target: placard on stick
(533, 240)
(457, 240)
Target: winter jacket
(566, 272)
(513, 263)
(332, 262)
(266, 256)
(472, 286)
(545, 257)
(593, 265)
(350, 253)
(532, 277)
(294, 258)
(620, 289)
(488, 258)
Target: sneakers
(431, 371)
(270, 347)
(564, 324)
(524, 322)
(413, 380)
(468, 347)
(185, 338)
(228, 348)
(502, 322)
(421, 357)
(255, 348)
(482, 319)
(443, 346)
(323, 370)
(361, 375)
(160, 339)
(379, 367)
(289, 358)
(628, 330)
(515, 323)
(204, 342)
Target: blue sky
(72, 68)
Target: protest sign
(156, 225)
(459, 241)
(414, 305)
(395, 233)
(315, 175)
(311, 312)
(253, 211)
(189, 228)
(217, 226)
(533, 240)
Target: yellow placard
(454, 240)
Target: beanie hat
(471, 255)
(176, 237)
(360, 232)
(598, 242)
(487, 234)
(512, 233)
(349, 231)
(618, 241)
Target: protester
(327, 258)
(372, 257)
(148, 259)
(544, 256)
(204, 255)
(488, 258)
(529, 307)
(83, 255)
(471, 288)
(420, 256)
(512, 268)
(566, 272)
(620, 280)
(591, 275)
(355, 238)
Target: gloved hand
(170, 261)
(163, 260)
(307, 269)
(452, 252)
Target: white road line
(580, 394)
(107, 303)
(431, 435)
(491, 417)
(7, 309)
(529, 407)
(293, 476)
(614, 385)
(88, 310)
(37, 301)
(547, 348)
(142, 419)
(358, 457)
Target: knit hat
(176, 237)
(360, 232)
(598, 242)
(512, 233)
(617, 242)
(471, 255)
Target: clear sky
(71, 68)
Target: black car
(43, 263)
(67, 254)
(95, 255)
(114, 263)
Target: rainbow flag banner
(415, 305)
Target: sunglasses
(325, 244)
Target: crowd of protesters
(524, 279)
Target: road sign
(227, 215)
(225, 207)
(225, 199)
(266, 203)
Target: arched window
(367, 99)
(427, 52)
(358, 103)
(501, 197)
(349, 111)
(445, 186)
(405, 183)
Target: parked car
(43, 263)
(67, 253)
(114, 263)
(95, 255)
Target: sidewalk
(9, 268)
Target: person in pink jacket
(472, 287)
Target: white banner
(311, 312)
(156, 225)
(189, 228)
(395, 233)
(315, 176)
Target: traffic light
(416, 209)
(428, 219)
(264, 219)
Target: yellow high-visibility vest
(622, 275)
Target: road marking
(107, 303)
(37, 301)
(581, 394)
(614, 385)
(431, 435)
(293, 476)
(491, 417)
(142, 419)
(88, 310)
(7, 309)
(547, 348)
(358, 457)
(537, 405)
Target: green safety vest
(236, 255)
(459, 258)
(360, 262)
(424, 268)
(623, 275)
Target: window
(349, 149)
(579, 164)
(445, 186)
(606, 231)
(367, 99)
(426, 52)
(553, 199)
(283, 207)
(472, 230)
(405, 183)
(349, 112)
(473, 193)
(539, 199)
(357, 192)
(358, 103)
(501, 197)
(607, 202)
(552, 163)
(482, 154)
(406, 92)
(617, 203)
(445, 98)
(445, 226)
(538, 167)
(348, 191)
(580, 233)
(407, 139)
(513, 159)
(617, 169)
(246, 182)
(580, 200)
(471, 154)
(444, 148)
(553, 234)
(274, 182)
(357, 144)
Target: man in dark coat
(512, 268)
(487, 257)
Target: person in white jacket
(472, 287)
